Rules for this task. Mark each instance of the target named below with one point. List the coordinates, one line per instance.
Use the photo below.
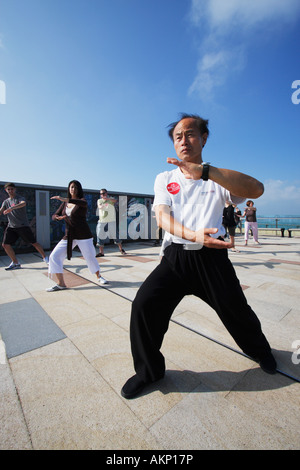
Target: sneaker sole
(55, 290)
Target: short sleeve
(161, 195)
(236, 199)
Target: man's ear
(204, 139)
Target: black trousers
(209, 275)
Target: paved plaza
(64, 357)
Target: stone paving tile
(66, 395)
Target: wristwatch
(205, 171)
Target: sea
(280, 221)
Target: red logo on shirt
(173, 188)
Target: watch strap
(205, 171)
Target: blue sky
(88, 88)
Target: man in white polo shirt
(189, 202)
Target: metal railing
(278, 222)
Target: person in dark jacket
(229, 223)
(73, 212)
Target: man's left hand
(203, 236)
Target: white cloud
(280, 197)
(2, 92)
(223, 13)
(214, 68)
(228, 27)
(284, 190)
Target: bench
(272, 229)
(290, 230)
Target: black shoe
(267, 363)
(133, 387)
(99, 255)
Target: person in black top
(229, 223)
(73, 212)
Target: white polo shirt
(196, 204)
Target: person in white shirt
(188, 204)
